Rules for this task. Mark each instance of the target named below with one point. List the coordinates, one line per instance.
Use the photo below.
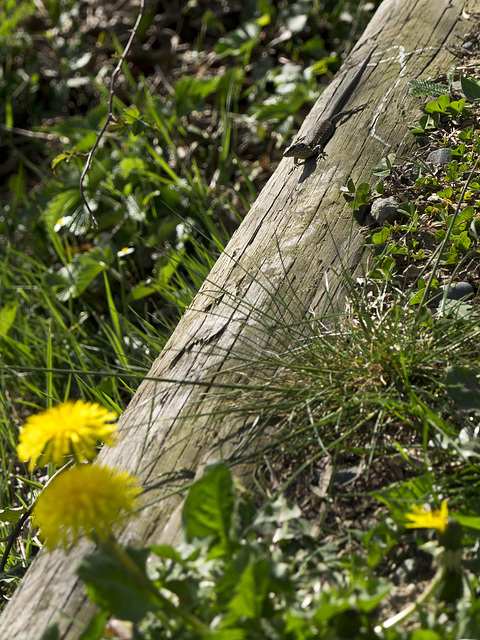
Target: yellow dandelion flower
(86, 499)
(73, 428)
(421, 518)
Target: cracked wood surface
(284, 262)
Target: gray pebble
(385, 210)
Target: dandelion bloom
(86, 499)
(73, 428)
(423, 519)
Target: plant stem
(404, 613)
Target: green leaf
(190, 93)
(464, 388)
(329, 608)
(400, 498)
(12, 516)
(425, 634)
(434, 107)
(297, 625)
(382, 236)
(129, 166)
(281, 511)
(469, 522)
(456, 106)
(63, 204)
(134, 209)
(462, 242)
(470, 88)
(250, 592)
(208, 508)
(166, 551)
(384, 167)
(94, 629)
(240, 41)
(114, 588)
(279, 108)
(131, 115)
(7, 318)
(443, 102)
(228, 634)
(315, 47)
(51, 632)
(73, 279)
(142, 291)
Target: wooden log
(284, 262)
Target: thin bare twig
(110, 110)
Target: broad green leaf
(12, 516)
(141, 291)
(250, 592)
(382, 236)
(444, 101)
(228, 634)
(208, 508)
(457, 105)
(464, 388)
(240, 41)
(384, 167)
(51, 632)
(470, 88)
(433, 107)
(78, 275)
(297, 625)
(329, 607)
(63, 204)
(113, 588)
(94, 629)
(131, 115)
(425, 634)
(134, 209)
(128, 166)
(470, 522)
(166, 551)
(7, 317)
(281, 511)
(372, 592)
(316, 48)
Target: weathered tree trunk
(284, 261)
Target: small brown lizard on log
(314, 141)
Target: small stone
(385, 210)
(345, 476)
(460, 291)
(455, 291)
(440, 156)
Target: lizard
(314, 141)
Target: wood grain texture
(290, 246)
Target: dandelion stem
(404, 613)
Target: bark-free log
(289, 248)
